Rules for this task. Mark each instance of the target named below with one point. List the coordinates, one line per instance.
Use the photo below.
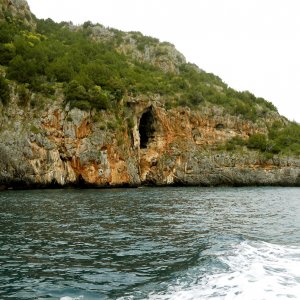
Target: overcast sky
(251, 44)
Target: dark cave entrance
(146, 128)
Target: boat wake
(249, 270)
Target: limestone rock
(67, 147)
(16, 10)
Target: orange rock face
(160, 147)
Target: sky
(252, 45)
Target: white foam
(71, 298)
(257, 271)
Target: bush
(22, 70)
(257, 141)
(7, 53)
(284, 138)
(79, 97)
(4, 91)
(234, 143)
(195, 97)
(288, 138)
(81, 104)
(61, 70)
(98, 98)
(111, 125)
(75, 92)
(56, 53)
(24, 95)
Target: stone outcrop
(16, 10)
(141, 48)
(146, 144)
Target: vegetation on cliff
(97, 68)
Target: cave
(146, 128)
(220, 126)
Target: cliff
(138, 136)
(16, 11)
(58, 147)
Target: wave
(250, 271)
(72, 298)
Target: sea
(150, 243)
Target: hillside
(97, 106)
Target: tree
(7, 32)
(75, 92)
(61, 70)
(22, 70)
(77, 95)
(7, 53)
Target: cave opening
(146, 128)
(220, 126)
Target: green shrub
(130, 123)
(284, 138)
(98, 98)
(24, 95)
(233, 143)
(55, 53)
(257, 141)
(22, 70)
(61, 70)
(195, 97)
(78, 97)
(111, 125)
(183, 102)
(81, 104)
(7, 32)
(7, 53)
(35, 129)
(4, 91)
(75, 92)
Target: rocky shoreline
(153, 146)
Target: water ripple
(149, 243)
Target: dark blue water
(150, 243)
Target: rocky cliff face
(142, 143)
(16, 10)
(43, 142)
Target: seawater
(150, 243)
